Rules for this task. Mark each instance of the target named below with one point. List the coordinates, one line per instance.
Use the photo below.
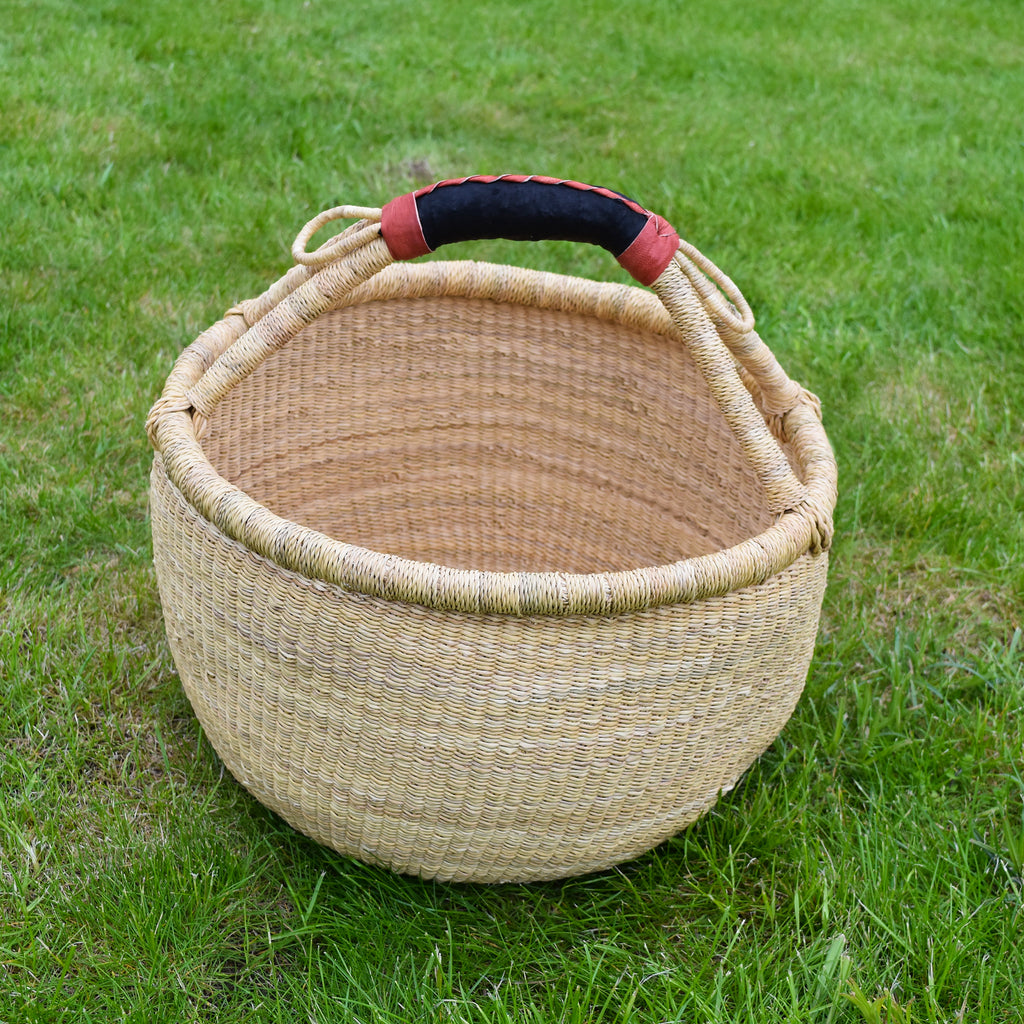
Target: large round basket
(481, 573)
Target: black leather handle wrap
(527, 211)
(528, 208)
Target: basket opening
(492, 436)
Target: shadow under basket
(481, 573)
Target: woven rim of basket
(177, 421)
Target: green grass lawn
(857, 168)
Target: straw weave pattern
(484, 574)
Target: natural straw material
(487, 574)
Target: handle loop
(350, 239)
(738, 320)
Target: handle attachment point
(351, 238)
(710, 283)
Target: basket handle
(521, 207)
(528, 208)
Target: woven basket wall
(468, 575)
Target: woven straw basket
(482, 573)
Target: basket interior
(490, 436)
